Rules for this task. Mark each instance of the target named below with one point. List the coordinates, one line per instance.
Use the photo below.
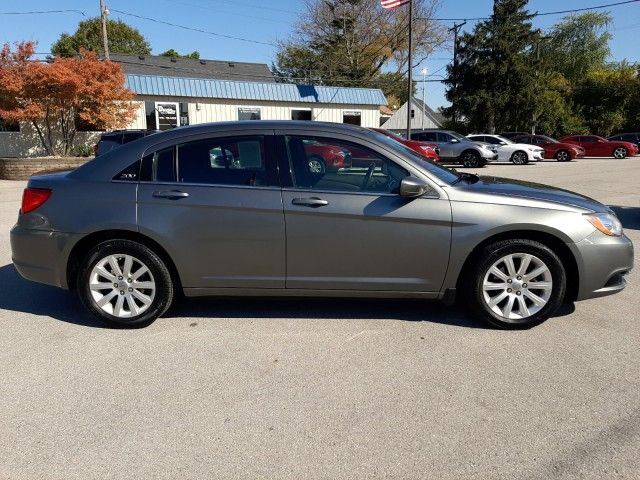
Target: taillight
(33, 198)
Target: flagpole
(410, 81)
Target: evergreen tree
(494, 86)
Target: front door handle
(313, 202)
(170, 194)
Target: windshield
(548, 139)
(458, 136)
(442, 173)
(504, 139)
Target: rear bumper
(602, 263)
(41, 255)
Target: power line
(540, 14)
(193, 29)
(39, 12)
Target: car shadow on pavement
(19, 295)
(629, 216)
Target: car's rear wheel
(620, 152)
(563, 156)
(516, 284)
(519, 158)
(471, 159)
(316, 165)
(124, 283)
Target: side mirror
(454, 140)
(412, 187)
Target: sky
(268, 22)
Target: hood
(521, 191)
(566, 145)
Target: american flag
(389, 4)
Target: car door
(214, 202)
(449, 149)
(350, 230)
(590, 144)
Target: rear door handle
(313, 202)
(170, 194)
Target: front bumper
(602, 264)
(41, 255)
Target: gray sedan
(236, 209)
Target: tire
(519, 158)
(317, 165)
(484, 287)
(137, 307)
(620, 153)
(471, 159)
(562, 156)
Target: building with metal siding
(202, 100)
(174, 92)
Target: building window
(184, 113)
(7, 126)
(413, 113)
(249, 113)
(352, 117)
(301, 115)
(150, 113)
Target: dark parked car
(110, 140)
(561, 151)
(627, 137)
(595, 146)
(170, 213)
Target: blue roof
(276, 92)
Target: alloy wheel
(517, 286)
(519, 158)
(620, 152)
(563, 156)
(122, 286)
(470, 160)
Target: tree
(351, 43)
(52, 96)
(122, 39)
(493, 87)
(174, 53)
(578, 44)
(604, 96)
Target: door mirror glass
(412, 187)
(454, 140)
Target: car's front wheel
(563, 156)
(519, 158)
(316, 165)
(124, 283)
(516, 284)
(471, 159)
(620, 152)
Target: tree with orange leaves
(52, 95)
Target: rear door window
(237, 161)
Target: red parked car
(561, 151)
(425, 149)
(322, 157)
(596, 146)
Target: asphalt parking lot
(317, 388)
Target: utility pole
(456, 30)
(424, 97)
(410, 82)
(105, 40)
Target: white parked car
(508, 151)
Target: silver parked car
(457, 148)
(157, 216)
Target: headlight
(427, 148)
(607, 223)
